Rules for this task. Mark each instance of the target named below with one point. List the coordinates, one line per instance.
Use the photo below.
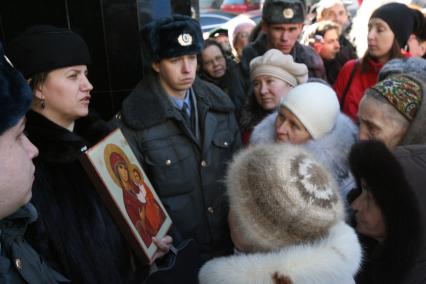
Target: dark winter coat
(19, 262)
(251, 115)
(396, 182)
(186, 173)
(230, 83)
(301, 54)
(413, 161)
(74, 232)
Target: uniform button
(203, 164)
(168, 162)
(18, 263)
(210, 209)
(225, 144)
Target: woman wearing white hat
(310, 115)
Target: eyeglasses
(217, 58)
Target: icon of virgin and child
(141, 206)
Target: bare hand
(163, 247)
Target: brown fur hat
(280, 195)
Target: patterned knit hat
(280, 195)
(403, 93)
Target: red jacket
(360, 82)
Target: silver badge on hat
(288, 13)
(185, 39)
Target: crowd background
(285, 151)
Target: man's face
(330, 46)
(282, 36)
(176, 74)
(16, 169)
(375, 123)
(337, 13)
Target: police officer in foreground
(183, 132)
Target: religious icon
(127, 192)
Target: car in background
(240, 6)
(212, 19)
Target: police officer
(183, 132)
(282, 23)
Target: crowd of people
(280, 155)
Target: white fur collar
(332, 260)
(332, 149)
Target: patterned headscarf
(403, 93)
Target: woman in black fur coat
(388, 210)
(75, 232)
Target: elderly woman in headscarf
(393, 110)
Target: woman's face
(380, 39)
(289, 129)
(268, 91)
(123, 173)
(66, 92)
(376, 123)
(369, 217)
(214, 62)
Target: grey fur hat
(280, 195)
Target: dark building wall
(111, 30)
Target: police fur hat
(45, 48)
(15, 94)
(386, 180)
(171, 37)
(280, 195)
(283, 12)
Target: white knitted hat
(282, 66)
(315, 105)
(280, 195)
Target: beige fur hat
(280, 195)
(282, 66)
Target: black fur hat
(15, 94)
(171, 37)
(387, 182)
(45, 48)
(283, 12)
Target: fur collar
(57, 144)
(332, 149)
(148, 104)
(331, 260)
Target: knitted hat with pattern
(280, 195)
